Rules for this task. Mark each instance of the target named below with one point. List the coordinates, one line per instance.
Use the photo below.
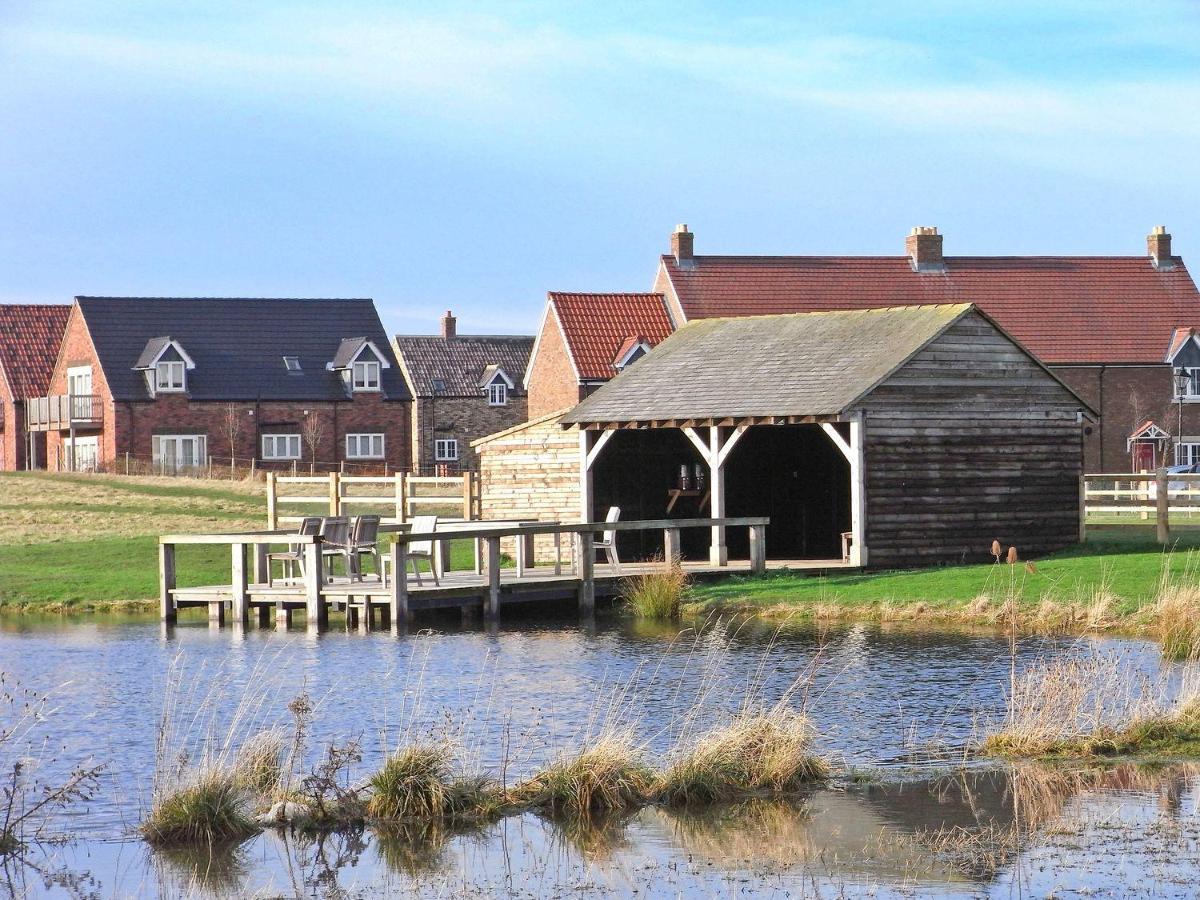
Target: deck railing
(398, 593)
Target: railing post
(672, 553)
(587, 583)
(241, 607)
(468, 508)
(402, 496)
(335, 494)
(316, 610)
(166, 582)
(262, 565)
(758, 549)
(1162, 507)
(272, 502)
(491, 610)
(1082, 509)
(398, 606)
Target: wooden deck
(575, 582)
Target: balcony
(63, 412)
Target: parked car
(1173, 486)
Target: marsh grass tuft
(416, 783)
(214, 808)
(1176, 619)
(258, 764)
(607, 776)
(657, 594)
(765, 752)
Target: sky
(474, 156)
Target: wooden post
(216, 614)
(468, 506)
(399, 612)
(283, 616)
(718, 553)
(1162, 507)
(166, 582)
(758, 550)
(1082, 508)
(585, 478)
(264, 615)
(241, 608)
(587, 582)
(314, 580)
(491, 610)
(672, 552)
(335, 494)
(401, 512)
(858, 495)
(272, 502)
(262, 565)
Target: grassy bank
(1110, 580)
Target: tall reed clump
(1176, 618)
(416, 783)
(1094, 704)
(657, 594)
(607, 776)
(763, 752)
(213, 807)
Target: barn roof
(238, 344)
(1064, 309)
(807, 365)
(30, 334)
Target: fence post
(272, 502)
(1082, 508)
(758, 549)
(587, 583)
(401, 497)
(126, 462)
(166, 582)
(335, 494)
(671, 549)
(1162, 507)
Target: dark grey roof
(806, 364)
(150, 353)
(461, 361)
(237, 344)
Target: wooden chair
(417, 550)
(293, 557)
(335, 542)
(608, 540)
(364, 542)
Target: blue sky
(476, 155)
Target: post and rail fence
(1138, 497)
(401, 494)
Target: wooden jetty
(370, 602)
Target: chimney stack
(681, 243)
(449, 326)
(1158, 245)
(924, 247)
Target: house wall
(553, 384)
(465, 419)
(970, 442)
(531, 471)
(11, 456)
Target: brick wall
(531, 471)
(464, 419)
(77, 350)
(553, 385)
(11, 457)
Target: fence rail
(1139, 496)
(402, 492)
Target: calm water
(896, 700)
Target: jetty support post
(166, 583)
(587, 580)
(238, 586)
(491, 609)
(316, 609)
(398, 612)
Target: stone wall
(532, 472)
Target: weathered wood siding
(970, 442)
(531, 472)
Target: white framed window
(365, 375)
(281, 446)
(178, 452)
(169, 376)
(445, 449)
(364, 446)
(1187, 454)
(497, 393)
(1191, 387)
(82, 454)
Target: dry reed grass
(609, 775)
(416, 782)
(213, 808)
(656, 594)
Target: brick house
(177, 382)
(1111, 327)
(30, 335)
(585, 340)
(464, 387)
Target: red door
(1143, 457)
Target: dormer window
(365, 375)
(496, 384)
(633, 349)
(497, 393)
(291, 363)
(169, 375)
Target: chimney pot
(1158, 245)
(449, 326)
(924, 247)
(681, 243)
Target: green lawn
(1124, 562)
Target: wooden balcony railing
(60, 412)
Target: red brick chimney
(681, 243)
(449, 326)
(924, 247)
(1158, 245)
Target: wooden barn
(883, 437)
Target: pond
(894, 706)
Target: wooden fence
(1122, 497)
(404, 495)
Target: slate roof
(30, 335)
(815, 364)
(237, 344)
(595, 326)
(461, 361)
(1064, 309)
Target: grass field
(91, 541)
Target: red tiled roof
(30, 335)
(596, 325)
(1065, 309)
